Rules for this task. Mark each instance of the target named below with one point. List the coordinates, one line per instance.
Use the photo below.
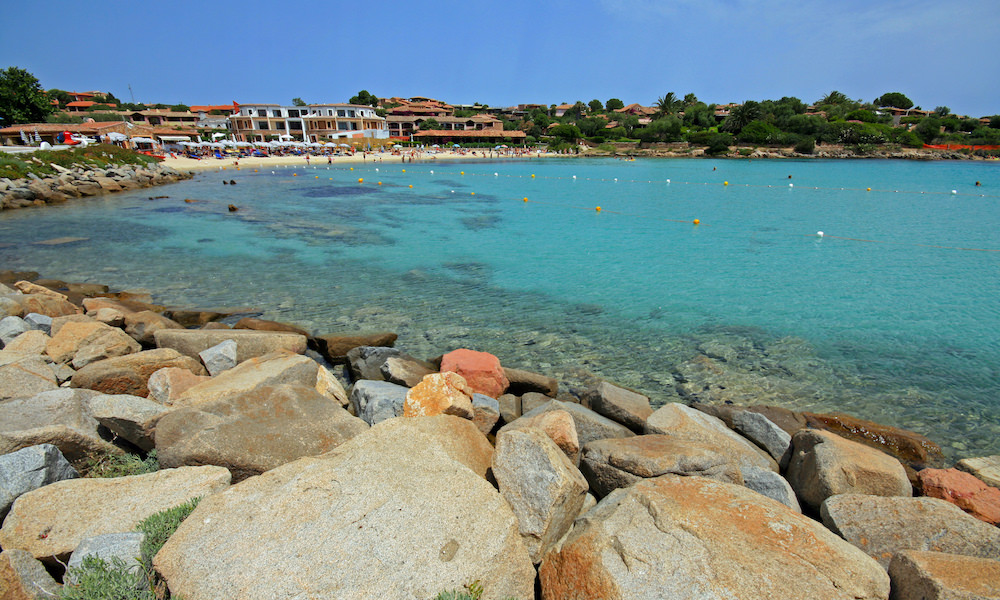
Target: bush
(719, 144)
(97, 579)
(759, 133)
(806, 145)
(119, 465)
(160, 526)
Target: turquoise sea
(892, 315)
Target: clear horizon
(466, 52)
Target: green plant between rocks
(98, 579)
(160, 526)
(118, 465)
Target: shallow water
(891, 315)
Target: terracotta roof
(565, 106)
(210, 108)
(86, 103)
(472, 133)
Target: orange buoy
(598, 209)
(697, 222)
(361, 180)
(411, 185)
(525, 199)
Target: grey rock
(375, 401)
(405, 371)
(941, 576)
(126, 547)
(545, 490)
(824, 464)
(22, 577)
(532, 400)
(760, 430)
(10, 307)
(768, 483)
(59, 417)
(25, 376)
(249, 343)
(29, 469)
(365, 362)
(486, 412)
(220, 357)
(590, 426)
(677, 538)
(129, 417)
(685, 423)
(39, 322)
(619, 404)
(616, 463)
(399, 502)
(986, 468)
(277, 368)
(11, 327)
(884, 525)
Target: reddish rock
(439, 394)
(481, 370)
(963, 490)
(129, 374)
(907, 446)
(265, 325)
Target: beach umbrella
(343, 145)
(142, 140)
(330, 145)
(435, 146)
(456, 146)
(114, 136)
(243, 144)
(396, 147)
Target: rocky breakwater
(83, 181)
(359, 471)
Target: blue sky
(504, 53)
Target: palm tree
(741, 116)
(667, 104)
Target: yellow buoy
(725, 183)
(360, 180)
(331, 179)
(411, 186)
(598, 209)
(317, 177)
(526, 199)
(352, 168)
(869, 189)
(473, 193)
(697, 222)
(532, 175)
(404, 170)
(295, 174)
(255, 170)
(463, 173)
(380, 183)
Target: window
(293, 112)
(342, 126)
(296, 125)
(341, 113)
(262, 125)
(350, 113)
(276, 112)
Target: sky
(517, 51)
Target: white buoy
(272, 172)
(376, 170)
(496, 174)
(954, 191)
(574, 177)
(616, 179)
(791, 185)
(452, 191)
(432, 172)
(668, 181)
(819, 234)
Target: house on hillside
(637, 110)
(312, 123)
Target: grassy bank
(18, 166)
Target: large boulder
(50, 522)
(10, 328)
(964, 491)
(481, 370)
(29, 469)
(616, 463)
(689, 537)
(629, 408)
(375, 401)
(131, 418)
(589, 425)
(129, 374)
(986, 468)
(684, 423)
(49, 306)
(168, 383)
(31, 342)
(884, 525)
(144, 324)
(334, 347)
(558, 425)
(22, 577)
(522, 382)
(59, 417)
(762, 431)
(84, 343)
(770, 484)
(265, 325)
(365, 362)
(440, 394)
(277, 368)
(941, 576)
(26, 375)
(907, 446)
(254, 432)
(545, 490)
(399, 502)
(824, 464)
(486, 412)
(405, 371)
(249, 343)
(220, 357)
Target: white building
(312, 123)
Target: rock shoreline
(81, 182)
(333, 464)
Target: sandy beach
(183, 163)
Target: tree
(834, 97)
(759, 133)
(895, 100)
(430, 124)
(299, 102)
(186, 108)
(690, 99)
(568, 133)
(942, 111)
(22, 99)
(614, 104)
(995, 122)
(592, 126)
(364, 99)
(61, 96)
(667, 104)
(928, 129)
(741, 116)
(664, 129)
(595, 105)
